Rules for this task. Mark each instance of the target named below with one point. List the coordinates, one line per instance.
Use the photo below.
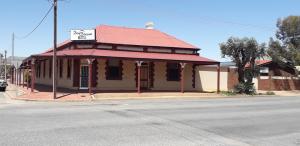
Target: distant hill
(17, 60)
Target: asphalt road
(262, 121)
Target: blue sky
(204, 23)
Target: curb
(159, 97)
(186, 97)
(49, 100)
(8, 98)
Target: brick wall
(278, 84)
(232, 78)
(279, 79)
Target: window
(44, 69)
(173, 72)
(38, 70)
(69, 68)
(61, 63)
(114, 69)
(50, 68)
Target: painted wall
(160, 80)
(63, 82)
(128, 78)
(44, 80)
(205, 78)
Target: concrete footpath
(22, 93)
(45, 94)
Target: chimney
(149, 25)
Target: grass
(270, 93)
(232, 93)
(228, 93)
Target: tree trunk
(241, 75)
(252, 70)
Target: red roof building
(121, 58)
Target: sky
(203, 23)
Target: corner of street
(178, 121)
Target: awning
(100, 53)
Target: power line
(218, 21)
(28, 34)
(59, 1)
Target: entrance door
(84, 77)
(144, 76)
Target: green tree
(242, 52)
(285, 50)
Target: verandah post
(90, 62)
(20, 76)
(23, 80)
(182, 65)
(16, 74)
(32, 74)
(218, 78)
(12, 76)
(27, 79)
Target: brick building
(272, 77)
(125, 59)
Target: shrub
(27, 76)
(270, 93)
(245, 88)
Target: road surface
(259, 121)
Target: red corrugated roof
(259, 62)
(130, 55)
(138, 36)
(59, 45)
(134, 36)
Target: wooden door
(84, 76)
(145, 76)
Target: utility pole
(13, 49)
(1, 65)
(5, 62)
(54, 72)
(12, 56)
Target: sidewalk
(20, 93)
(45, 94)
(287, 93)
(154, 95)
(281, 93)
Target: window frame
(69, 68)
(61, 63)
(109, 68)
(44, 69)
(170, 72)
(50, 68)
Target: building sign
(83, 35)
